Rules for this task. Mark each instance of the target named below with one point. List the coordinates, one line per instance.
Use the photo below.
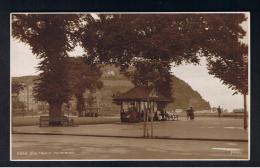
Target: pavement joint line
(137, 137)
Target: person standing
(188, 114)
(192, 113)
(219, 111)
(156, 117)
(162, 114)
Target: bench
(45, 120)
(175, 117)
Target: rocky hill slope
(115, 82)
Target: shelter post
(144, 119)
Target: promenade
(201, 129)
(203, 138)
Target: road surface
(55, 147)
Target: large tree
(50, 37)
(233, 71)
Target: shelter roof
(141, 93)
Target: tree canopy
(124, 39)
(120, 38)
(232, 70)
(50, 37)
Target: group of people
(190, 113)
(133, 116)
(130, 116)
(161, 115)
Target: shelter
(137, 100)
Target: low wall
(27, 121)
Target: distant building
(32, 106)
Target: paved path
(200, 128)
(55, 147)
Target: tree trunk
(245, 112)
(55, 113)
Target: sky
(23, 63)
(211, 89)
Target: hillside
(182, 92)
(115, 82)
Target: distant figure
(219, 111)
(155, 116)
(159, 115)
(163, 115)
(122, 115)
(142, 114)
(166, 115)
(188, 114)
(192, 113)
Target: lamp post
(146, 134)
(27, 96)
(245, 66)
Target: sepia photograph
(119, 86)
